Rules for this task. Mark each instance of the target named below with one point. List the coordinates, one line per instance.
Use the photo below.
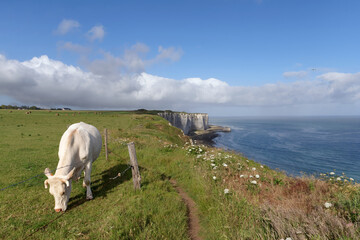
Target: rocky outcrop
(188, 122)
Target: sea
(296, 145)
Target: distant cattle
(79, 147)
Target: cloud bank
(121, 83)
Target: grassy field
(230, 204)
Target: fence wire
(122, 173)
(28, 179)
(43, 173)
(40, 174)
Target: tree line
(19, 107)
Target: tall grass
(281, 206)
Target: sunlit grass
(236, 198)
(29, 143)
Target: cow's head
(60, 188)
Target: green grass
(29, 144)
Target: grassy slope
(276, 207)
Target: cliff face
(187, 122)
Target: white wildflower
(254, 169)
(214, 177)
(213, 164)
(338, 179)
(226, 191)
(215, 167)
(241, 176)
(351, 179)
(199, 156)
(288, 238)
(327, 205)
(251, 176)
(262, 166)
(257, 176)
(247, 160)
(332, 173)
(253, 182)
(225, 165)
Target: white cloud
(299, 74)
(96, 33)
(343, 85)
(170, 53)
(73, 47)
(66, 26)
(133, 60)
(46, 82)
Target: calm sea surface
(311, 145)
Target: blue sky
(225, 57)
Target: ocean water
(297, 145)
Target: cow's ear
(70, 174)
(46, 183)
(47, 173)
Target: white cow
(79, 147)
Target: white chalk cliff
(187, 122)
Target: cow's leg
(87, 180)
(77, 174)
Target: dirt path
(193, 219)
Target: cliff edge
(188, 122)
(195, 125)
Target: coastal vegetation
(236, 198)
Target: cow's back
(92, 137)
(80, 140)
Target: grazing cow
(79, 147)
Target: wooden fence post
(106, 144)
(135, 167)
